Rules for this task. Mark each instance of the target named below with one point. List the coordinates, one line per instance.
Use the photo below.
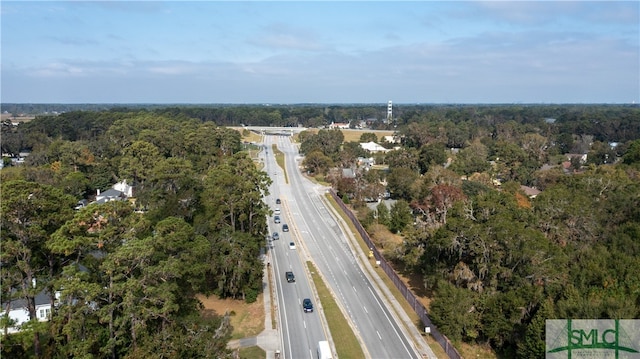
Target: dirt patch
(247, 319)
(383, 238)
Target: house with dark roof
(119, 192)
(19, 313)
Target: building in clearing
(339, 125)
(373, 147)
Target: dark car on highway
(307, 306)
(290, 277)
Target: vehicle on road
(307, 306)
(324, 350)
(285, 228)
(290, 277)
(276, 219)
(275, 236)
(277, 200)
(292, 245)
(277, 211)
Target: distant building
(532, 192)
(391, 139)
(348, 173)
(373, 147)
(366, 162)
(582, 157)
(340, 125)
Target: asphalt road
(300, 331)
(318, 235)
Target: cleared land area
(247, 319)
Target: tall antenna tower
(389, 111)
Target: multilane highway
(300, 331)
(316, 233)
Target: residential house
(582, 157)
(571, 158)
(391, 139)
(19, 314)
(373, 147)
(532, 192)
(348, 173)
(366, 163)
(119, 192)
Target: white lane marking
(390, 322)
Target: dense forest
(496, 260)
(125, 274)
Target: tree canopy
(126, 274)
(497, 260)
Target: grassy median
(280, 161)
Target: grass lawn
(354, 135)
(254, 352)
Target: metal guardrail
(420, 310)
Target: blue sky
(320, 52)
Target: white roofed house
(392, 139)
(373, 147)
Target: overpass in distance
(277, 131)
